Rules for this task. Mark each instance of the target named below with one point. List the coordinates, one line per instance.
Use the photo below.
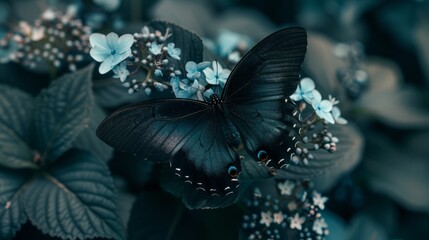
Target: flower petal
(327, 116)
(121, 57)
(326, 105)
(124, 43)
(106, 65)
(316, 96)
(203, 65)
(307, 85)
(99, 54)
(112, 40)
(296, 97)
(98, 39)
(191, 67)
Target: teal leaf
(61, 112)
(348, 153)
(75, 199)
(404, 108)
(12, 213)
(87, 140)
(15, 118)
(109, 93)
(158, 216)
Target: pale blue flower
(110, 50)
(207, 94)
(304, 90)
(173, 52)
(182, 89)
(217, 75)
(336, 114)
(121, 71)
(322, 107)
(194, 70)
(155, 49)
(228, 41)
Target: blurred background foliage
(379, 187)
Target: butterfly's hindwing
(187, 133)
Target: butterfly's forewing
(256, 91)
(187, 133)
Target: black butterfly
(200, 139)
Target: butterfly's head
(215, 100)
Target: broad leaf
(345, 159)
(158, 216)
(12, 213)
(190, 44)
(87, 139)
(322, 65)
(15, 119)
(349, 152)
(75, 199)
(61, 112)
(403, 108)
(109, 93)
(398, 172)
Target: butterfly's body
(200, 139)
(230, 132)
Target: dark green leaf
(109, 93)
(61, 112)
(190, 44)
(12, 213)
(158, 216)
(15, 119)
(87, 139)
(75, 199)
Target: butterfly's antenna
(217, 77)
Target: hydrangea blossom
(155, 49)
(319, 226)
(228, 41)
(319, 201)
(278, 217)
(286, 187)
(173, 52)
(194, 70)
(322, 107)
(266, 218)
(296, 222)
(110, 50)
(181, 88)
(336, 114)
(217, 75)
(121, 71)
(304, 90)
